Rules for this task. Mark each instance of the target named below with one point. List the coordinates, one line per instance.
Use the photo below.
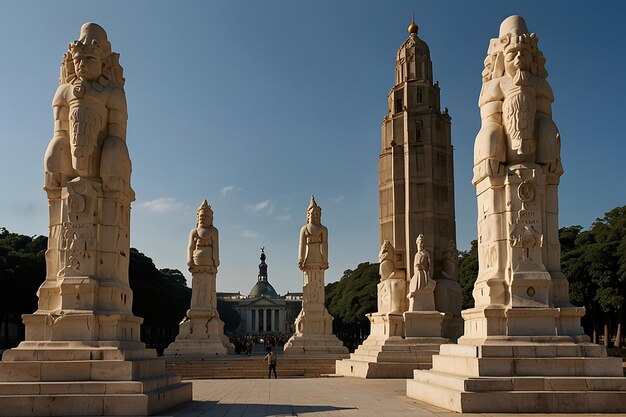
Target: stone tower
(416, 175)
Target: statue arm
(61, 112)
(324, 246)
(302, 248)
(192, 246)
(118, 115)
(216, 249)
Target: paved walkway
(312, 397)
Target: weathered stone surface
(314, 325)
(523, 350)
(82, 354)
(201, 332)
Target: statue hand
(190, 264)
(301, 264)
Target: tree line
(593, 260)
(160, 296)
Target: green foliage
(353, 296)
(468, 272)
(228, 315)
(159, 297)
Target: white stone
(523, 350)
(83, 339)
(201, 332)
(314, 325)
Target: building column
(248, 320)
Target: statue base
(314, 334)
(50, 378)
(533, 374)
(388, 352)
(201, 334)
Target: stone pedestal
(314, 325)
(388, 352)
(201, 332)
(523, 375)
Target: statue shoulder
(61, 95)
(117, 99)
(491, 91)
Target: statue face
(87, 66)
(315, 216)
(517, 58)
(205, 219)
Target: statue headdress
(205, 208)
(93, 41)
(313, 206)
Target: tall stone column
(201, 331)
(83, 333)
(523, 350)
(314, 330)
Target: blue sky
(256, 105)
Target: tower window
(419, 94)
(398, 105)
(418, 130)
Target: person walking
(270, 358)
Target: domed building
(263, 310)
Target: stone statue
(314, 325)
(515, 106)
(313, 253)
(387, 261)
(421, 281)
(204, 241)
(89, 116)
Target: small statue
(313, 253)
(89, 116)
(203, 240)
(516, 106)
(387, 262)
(421, 278)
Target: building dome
(263, 288)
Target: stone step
(565, 401)
(55, 403)
(526, 350)
(538, 366)
(89, 370)
(528, 383)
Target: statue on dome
(203, 241)
(89, 116)
(313, 246)
(516, 106)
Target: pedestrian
(270, 358)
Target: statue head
(89, 51)
(314, 212)
(90, 58)
(386, 251)
(205, 215)
(514, 50)
(420, 242)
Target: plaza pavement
(313, 397)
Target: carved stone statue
(201, 332)
(515, 105)
(450, 267)
(313, 253)
(89, 116)
(314, 330)
(421, 282)
(517, 169)
(386, 259)
(204, 241)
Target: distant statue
(421, 278)
(516, 106)
(263, 265)
(313, 253)
(203, 240)
(89, 116)
(386, 259)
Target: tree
(468, 272)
